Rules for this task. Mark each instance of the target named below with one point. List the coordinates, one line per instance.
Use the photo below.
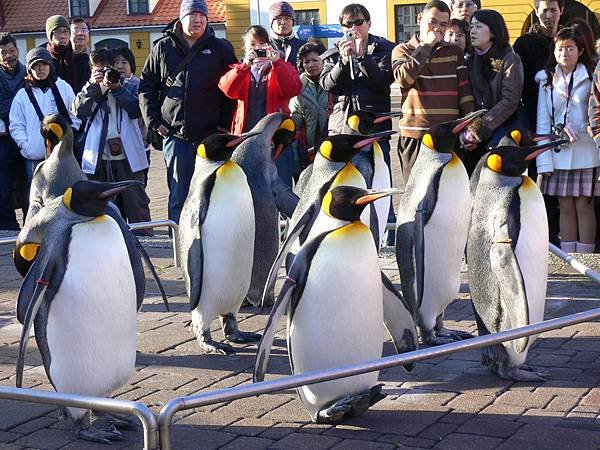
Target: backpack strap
(34, 102)
(184, 62)
(60, 104)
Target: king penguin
(333, 298)
(270, 195)
(507, 252)
(217, 238)
(431, 229)
(84, 315)
(61, 170)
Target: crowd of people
(193, 85)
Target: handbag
(518, 120)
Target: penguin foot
(455, 335)
(119, 421)
(94, 434)
(242, 337)
(351, 406)
(219, 348)
(521, 373)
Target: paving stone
(8, 436)
(254, 407)
(472, 403)
(209, 420)
(359, 445)
(279, 430)
(547, 437)
(487, 426)
(525, 399)
(458, 441)
(293, 411)
(503, 412)
(317, 428)
(186, 437)
(407, 441)
(34, 425)
(542, 416)
(418, 399)
(592, 398)
(346, 431)
(456, 417)
(305, 441)
(438, 431)
(560, 387)
(250, 426)
(249, 443)
(562, 403)
(15, 413)
(48, 439)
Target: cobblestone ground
(444, 403)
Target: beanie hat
(191, 6)
(280, 9)
(54, 22)
(37, 54)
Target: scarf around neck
(63, 57)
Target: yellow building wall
(30, 43)
(237, 19)
(141, 38)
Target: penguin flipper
(419, 253)
(307, 218)
(506, 268)
(374, 225)
(31, 294)
(266, 342)
(195, 261)
(398, 319)
(285, 199)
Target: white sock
(568, 247)
(585, 248)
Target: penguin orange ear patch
(56, 129)
(325, 149)
(494, 162)
(67, 197)
(428, 141)
(354, 122)
(202, 151)
(288, 124)
(516, 135)
(326, 204)
(29, 251)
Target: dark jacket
(72, 67)
(9, 85)
(289, 46)
(193, 107)
(371, 86)
(534, 50)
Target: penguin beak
(376, 194)
(373, 137)
(237, 141)
(462, 123)
(116, 188)
(534, 152)
(382, 117)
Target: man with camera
(113, 149)
(281, 19)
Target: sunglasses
(351, 23)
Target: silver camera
(349, 35)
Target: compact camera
(111, 75)
(260, 52)
(349, 35)
(559, 131)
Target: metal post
(579, 267)
(223, 395)
(138, 409)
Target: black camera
(111, 75)
(260, 52)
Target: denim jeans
(11, 169)
(180, 157)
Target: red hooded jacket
(283, 83)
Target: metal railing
(141, 411)
(139, 226)
(169, 410)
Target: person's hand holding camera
(272, 54)
(347, 50)
(97, 76)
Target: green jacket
(310, 110)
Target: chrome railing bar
(141, 411)
(578, 266)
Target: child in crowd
(263, 83)
(310, 110)
(114, 149)
(44, 94)
(570, 174)
(458, 34)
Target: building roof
(22, 16)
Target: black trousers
(408, 150)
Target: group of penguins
(84, 280)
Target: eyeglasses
(467, 5)
(351, 23)
(59, 32)
(80, 30)
(283, 19)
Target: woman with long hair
(570, 174)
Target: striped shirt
(434, 83)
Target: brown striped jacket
(434, 83)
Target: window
(138, 7)
(307, 17)
(80, 8)
(406, 21)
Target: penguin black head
(90, 198)
(513, 161)
(522, 137)
(348, 202)
(443, 137)
(343, 147)
(220, 147)
(364, 122)
(54, 129)
(283, 136)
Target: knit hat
(190, 6)
(37, 54)
(280, 9)
(54, 22)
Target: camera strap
(569, 89)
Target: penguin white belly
(381, 180)
(227, 243)
(445, 239)
(339, 319)
(531, 252)
(91, 328)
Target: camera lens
(112, 75)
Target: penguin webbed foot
(351, 406)
(455, 335)
(430, 337)
(243, 337)
(119, 421)
(97, 431)
(210, 346)
(520, 373)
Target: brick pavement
(445, 403)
